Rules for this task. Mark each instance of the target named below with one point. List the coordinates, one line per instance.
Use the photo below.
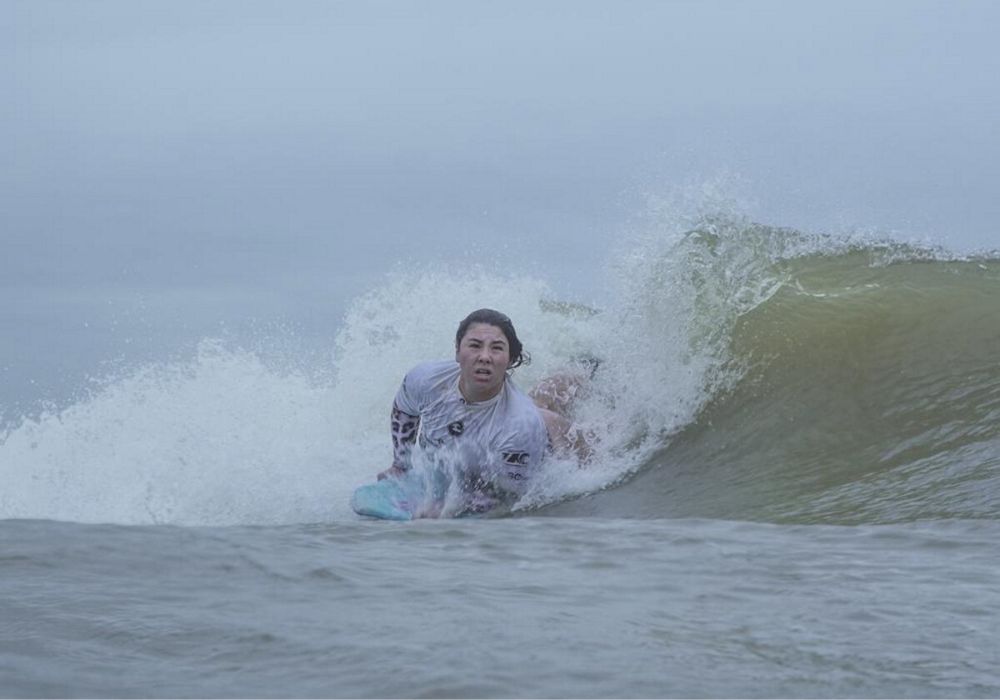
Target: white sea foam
(237, 436)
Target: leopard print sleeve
(404, 433)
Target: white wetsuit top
(501, 440)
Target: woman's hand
(393, 472)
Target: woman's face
(483, 355)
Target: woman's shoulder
(520, 405)
(432, 373)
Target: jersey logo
(519, 459)
(456, 428)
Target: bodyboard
(389, 499)
(403, 497)
(418, 493)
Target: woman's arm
(403, 427)
(565, 440)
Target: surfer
(471, 408)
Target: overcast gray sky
(338, 119)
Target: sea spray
(232, 435)
(220, 438)
(699, 332)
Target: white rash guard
(501, 441)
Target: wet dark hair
(518, 356)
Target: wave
(861, 385)
(746, 372)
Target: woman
(470, 410)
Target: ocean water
(795, 493)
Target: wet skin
(483, 356)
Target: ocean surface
(795, 493)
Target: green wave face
(862, 385)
